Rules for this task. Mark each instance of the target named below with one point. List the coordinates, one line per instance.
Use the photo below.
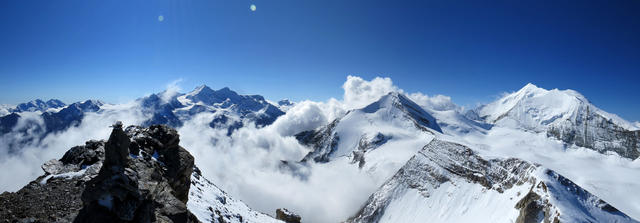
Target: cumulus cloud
(173, 89)
(359, 92)
(436, 102)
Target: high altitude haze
(118, 50)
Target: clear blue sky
(304, 49)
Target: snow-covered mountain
(443, 181)
(231, 111)
(565, 115)
(421, 163)
(448, 182)
(38, 105)
(365, 129)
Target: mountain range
(428, 164)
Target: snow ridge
(446, 174)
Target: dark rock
(286, 216)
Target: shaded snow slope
(448, 182)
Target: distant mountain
(448, 182)
(231, 111)
(38, 105)
(565, 115)
(285, 104)
(365, 129)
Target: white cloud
(359, 92)
(436, 102)
(173, 88)
(248, 165)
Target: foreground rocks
(138, 175)
(287, 216)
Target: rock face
(596, 132)
(446, 174)
(138, 175)
(286, 216)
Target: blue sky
(469, 50)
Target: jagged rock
(117, 149)
(90, 153)
(53, 166)
(287, 216)
(103, 182)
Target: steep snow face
(210, 204)
(393, 116)
(565, 115)
(448, 182)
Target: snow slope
(607, 176)
(378, 138)
(448, 182)
(210, 204)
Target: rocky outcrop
(138, 175)
(323, 141)
(287, 216)
(596, 132)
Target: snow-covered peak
(393, 118)
(39, 105)
(535, 108)
(397, 101)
